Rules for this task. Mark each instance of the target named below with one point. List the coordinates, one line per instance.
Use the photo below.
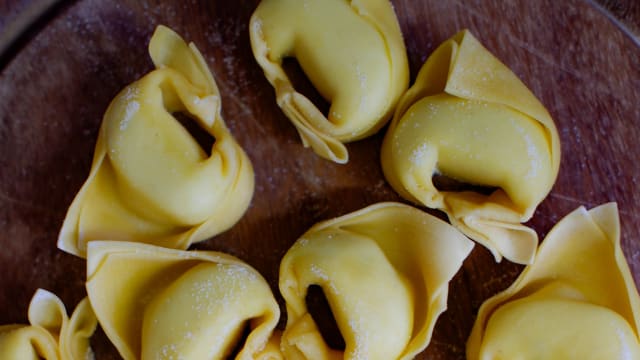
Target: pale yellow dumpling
(51, 335)
(157, 303)
(385, 272)
(577, 300)
(468, 118)
(353, 53)
(150, 181)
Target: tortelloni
(576, 301)
(353, 53)
(384, 271)
(150, 181)
(51, 335)
(472, 123)
(158, 303)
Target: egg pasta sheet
(51, 335)
(385, 272)
(353, 53)
(470, 120)
(577, 300)
(150, 180)
(158, 303)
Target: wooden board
(54, 91)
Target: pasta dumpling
(52, 335)
(469, 119)
(150, 181)
(385, 272)
(576, 301)
(353, 53)
(158, 303)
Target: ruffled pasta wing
(150, 181)
(576, 301)
(157, 303)
(384, 270)
(51, 335)
(470, 119)
(353, 53)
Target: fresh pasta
(469, 119)
(150, 181)
(385, 272)
(158, 303)
(51, 335)
(577, 300)
(353, 53)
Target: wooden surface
(55, 88)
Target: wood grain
(54, 91)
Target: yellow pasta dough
(51, 335)
(385, 272)
(157, 303)
(470, 119)
(353, 53)
(577, 300)
(150, 181)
